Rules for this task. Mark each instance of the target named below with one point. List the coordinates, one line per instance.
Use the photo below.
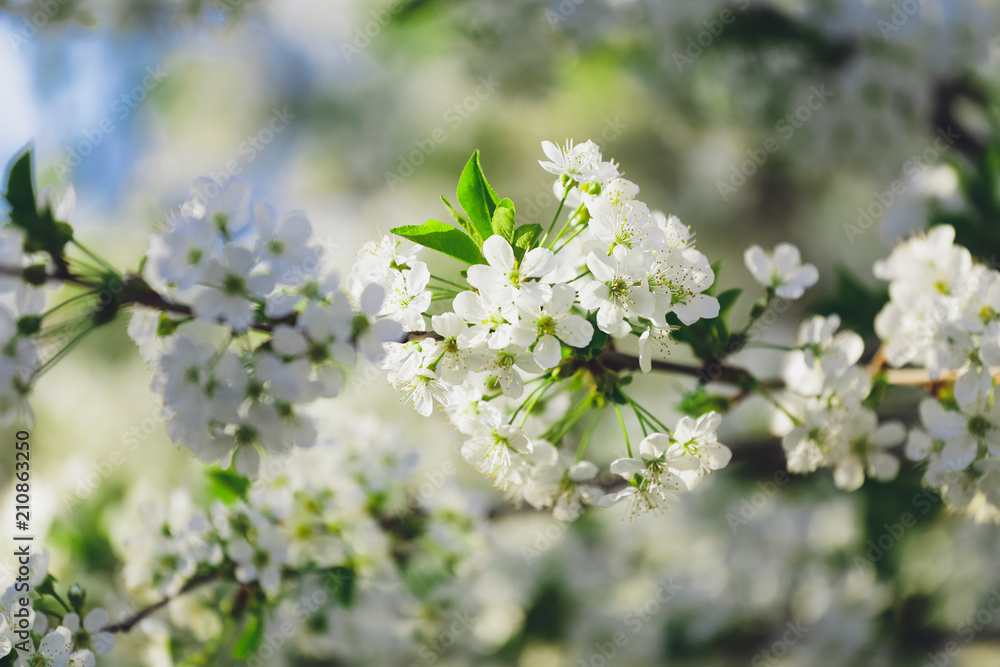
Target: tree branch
(618, 361)
(62, 276)
(135, 290)
(138, 616)
(709, 373)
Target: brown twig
(617, 361)
(878, 361)
(61, 276)
(911, 377)
(131, 621)
(135, 290)
(713, 373)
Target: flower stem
(527, 404)
(567, 241)
(58, 599)
(776, 403)
(449, 282)
(642, 420)
(770, 346)
(582, 447)
(757, 311)
(621, 420)
(94, 256)
(73, 342)
(561, 427)
(66, 303)
(649, 415)
(555, 219)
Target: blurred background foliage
(362, 113)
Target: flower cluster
(538, 308)
(331, 526)
(824, 415)
(19, 360)
(671, 464)
(825, 418)
(22, 303)
(287, 329)
(27, 636)
(944, 316)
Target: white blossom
(580, 162)
(781, 270)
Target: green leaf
(699, 402)
(503, 220)
(465, 223)
(698, 336)
(250, 640)
(727, 300)
(9, 660)
(708, 339)
(21, 186)
(42, 231)
(477, 197)
(444, 238)
(716, 268)
(227, 485)
(596, 342)
(525, 237)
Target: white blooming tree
(521, 338)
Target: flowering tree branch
(724, 374)
(519, 351)
(130, 622)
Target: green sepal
(227, 485)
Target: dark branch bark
(61, 276)
(135, 618)
(710, 373)
(135, 290)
